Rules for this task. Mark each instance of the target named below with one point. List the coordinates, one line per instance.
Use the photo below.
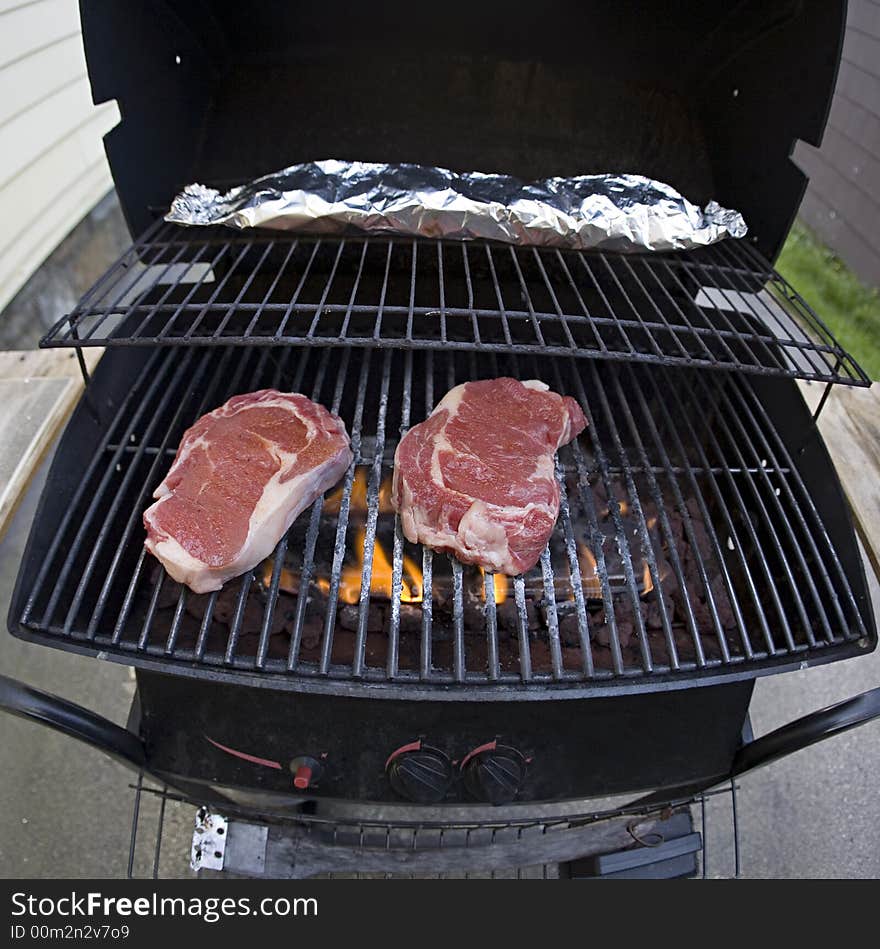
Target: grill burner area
(473, 597)
(688, 543)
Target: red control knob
(307, 772)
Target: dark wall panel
(842, 203)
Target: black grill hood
(708, 96)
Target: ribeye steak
(241, 476)
(476, 478)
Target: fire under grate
(718, 307)
(688, 544)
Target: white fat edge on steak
(270, 518)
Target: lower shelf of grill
(617, 842)
(702, 536)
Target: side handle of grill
(801, 733)
(73, 720)
(806, 731)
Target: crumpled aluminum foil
(611, 212)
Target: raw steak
(476, 478)
(241, 476)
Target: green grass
(848, 308)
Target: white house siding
(52, 164)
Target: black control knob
(419, 773)
(494, 773)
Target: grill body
(574, 749)
(211, 728)
(722, 545)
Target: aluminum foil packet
(609, 212)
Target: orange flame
(381, 577)
(500, 586)
(359, 495)
(647, 582)
(323, 585)
(589, 572)
(288, 581)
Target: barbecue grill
(703, 537)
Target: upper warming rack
(720, 307)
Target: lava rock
(312, 632)
(625, 633)
(569, 633)
(348, 613)
(410, 618)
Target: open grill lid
(710, 97)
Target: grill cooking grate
(717, 307)
(681, 483)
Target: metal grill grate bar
(134, 518)
(746, 256)
(246, 581)
(141, 412)
(342, 522)
(770, 317)
(733, 534)
(719, 559)
(522, 629)
(807, 507)
(494, 668)
(576, 580)
(702, 562)
(758, 445)
(372, 520)
(617, 518)
(281, 550)
(427, 553)
(666, 530)
(155, 309)
(776, 546)
(641, 528)
(308, 560)
(753, 360)
(552, 618)
(594, 535)
(397, 570)
(720, 307)
(458, 661)
(750, 529)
